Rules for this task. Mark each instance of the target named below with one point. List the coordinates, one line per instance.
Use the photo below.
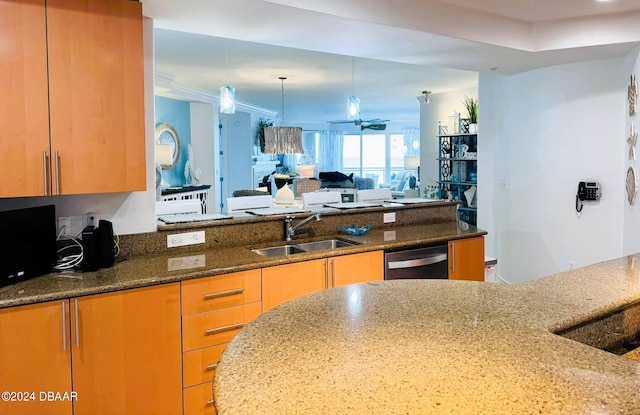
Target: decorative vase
(284, 196)
(473, 128)
(280, 182)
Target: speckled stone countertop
(148, 270)
(435, 347)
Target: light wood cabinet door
(126, 352)
(24, 107)
(96, 90)
(217, 326)
(466, 259)
(200, 364)
(198, 400)
(35, 355)
(356, 268)
(220, 291)
(286, 282)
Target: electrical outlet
(389, 217)
(186, 262)
(64, 225)
(389, 236)
(89, 218)
(186, 238)
(504, 184)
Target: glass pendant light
(353, 103)
(227, 93)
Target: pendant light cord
(353, 76)
(282, 78)
(226, 52)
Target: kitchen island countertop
(436, 347)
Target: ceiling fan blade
(376, 127)
(341, 122)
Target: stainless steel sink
(278, 250)
(328, 244)
(302, 247)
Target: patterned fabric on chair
(306, 186)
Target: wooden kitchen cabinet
(75, 105)
(24, 107)
(214, 310)
(356, 268)
(286, 282)
(126, 352)
(466, 259)
(220, 291)
(35, 355)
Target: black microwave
(27, 243)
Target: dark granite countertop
(146, 270)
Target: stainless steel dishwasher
(428, 263)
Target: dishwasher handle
(413, 263)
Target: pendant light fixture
(227, 93)
(353, 103)
(283, 140)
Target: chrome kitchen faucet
(290, 229)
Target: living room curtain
(411, 141)
(330, 147)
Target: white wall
(202, 143)
(129, 212)
(631, 223)
(540, 133)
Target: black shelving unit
(457, 171)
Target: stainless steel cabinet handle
(209, 402)
(333, 273)
(326, 275)
(77, 325)
(57, 164)
(46, 176)
(412, 263)
(64, 327)
(453, 257)
(224, 293)
(225, 328)
(211, 366)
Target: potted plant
(260, 136)
(471, 104)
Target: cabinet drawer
(200, 365)
(198, 400)
(216, 327)
(221, 291)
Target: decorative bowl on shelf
(354, 230)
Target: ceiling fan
(374, 124)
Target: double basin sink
(302, 247)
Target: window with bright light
(377, 156)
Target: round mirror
(167, 135)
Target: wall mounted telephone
(587, 191)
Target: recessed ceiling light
(604, 1)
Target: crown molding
(166, 86)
